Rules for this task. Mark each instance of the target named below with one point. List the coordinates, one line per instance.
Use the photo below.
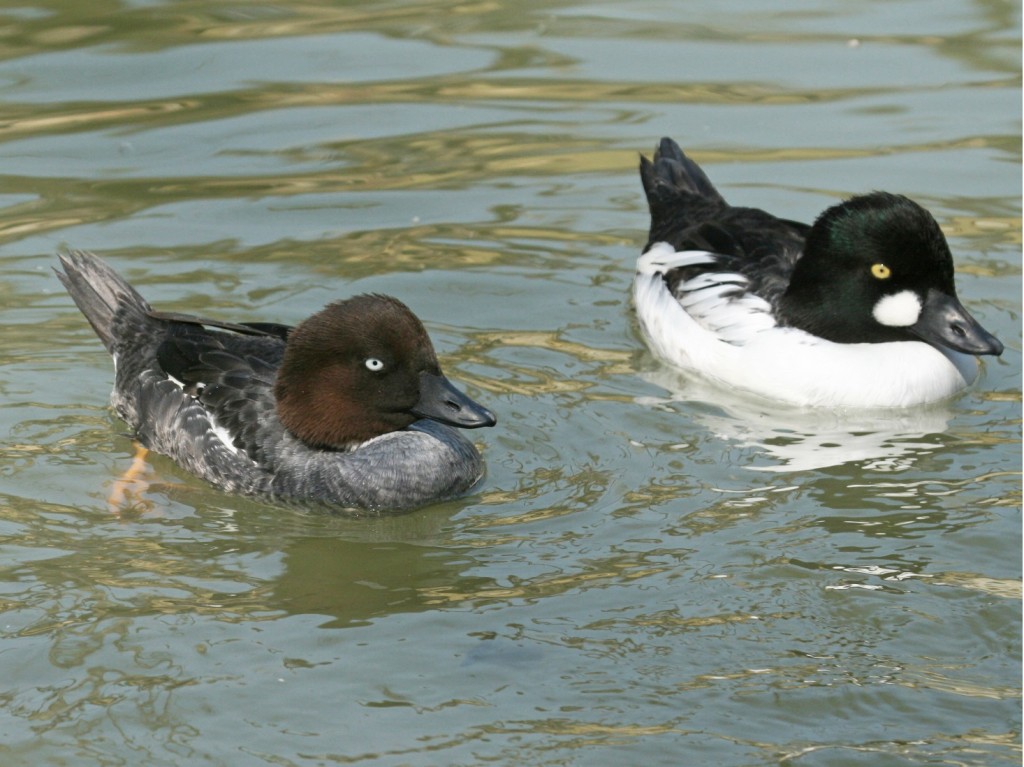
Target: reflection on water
(801, 439)
(357, 583)
(650, 572)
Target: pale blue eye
(374, 364)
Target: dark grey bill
(441, 401)
(945, 322)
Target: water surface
(652, 572)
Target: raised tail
(679, 193)
(101, 294)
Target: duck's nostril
(959, 330)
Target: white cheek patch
(898, 310)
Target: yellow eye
(881, 271)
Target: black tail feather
(672, 172)
(99, 292)
(678, 191)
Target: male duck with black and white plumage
(859, 310)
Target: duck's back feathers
(689, 213)
(232, 377)
(270, 329)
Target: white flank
(898, 310)
(734, 339)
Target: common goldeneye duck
(349, 408)
(858, 310)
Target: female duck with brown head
(349, 409)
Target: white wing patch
(221, 433)
(662, 257)
(718, 301)
(198, 387)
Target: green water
(651, 573)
